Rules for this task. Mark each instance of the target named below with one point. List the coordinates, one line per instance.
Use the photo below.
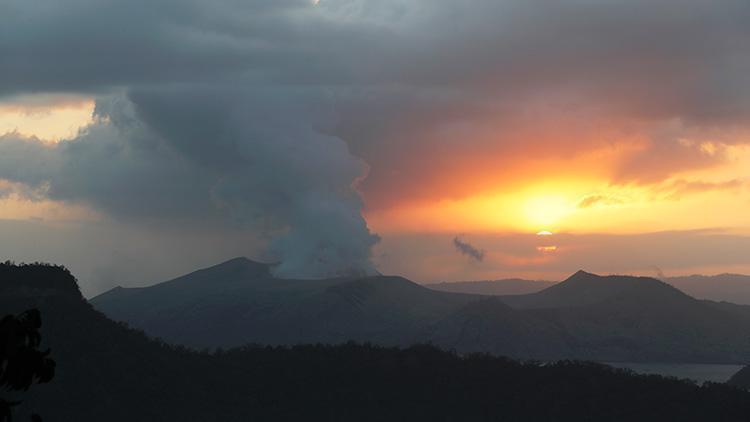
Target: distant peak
(239, 259)
(244, 262)
(581, 274)
(238, 265)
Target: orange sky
(538, 190)
(578, 192)
(534, 186)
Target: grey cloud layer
(671, 58)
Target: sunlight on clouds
(541, 207)
(14, 206)
(546, 210)
(584, 206)
(47, 117)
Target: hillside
(109, 372)
(734, 288)
(663, 326)
(584, 288)
(251, 306)
(511, 286)
(614, 318)
(741, 379)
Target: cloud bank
(288, 119)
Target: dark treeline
(106, 371)
(38, 276)
(22, 364)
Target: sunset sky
(138, 143)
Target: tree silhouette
(21, 362)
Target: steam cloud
(468, 249)
(212, 157)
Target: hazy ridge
(614, 318)
(734, 288)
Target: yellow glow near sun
(48, 118)
(546, 210)
(555, 206)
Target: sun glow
(546, 210)
(584, 205)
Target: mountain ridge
(608, 318)
(726, 287)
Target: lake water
(694, 371)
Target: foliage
(21, 362)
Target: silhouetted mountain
(614, 318)
(511, 286)
(489, 325)
(106, 371)
(741, 379)
(251, 306)
(583, 288)
(734, 288)
(640, 319)
(587, 316)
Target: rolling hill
(734, 288)
(251, 306)
(511, 286)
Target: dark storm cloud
(696, 49)
(94, 45)
(245, 112)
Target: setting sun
(547, 210)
